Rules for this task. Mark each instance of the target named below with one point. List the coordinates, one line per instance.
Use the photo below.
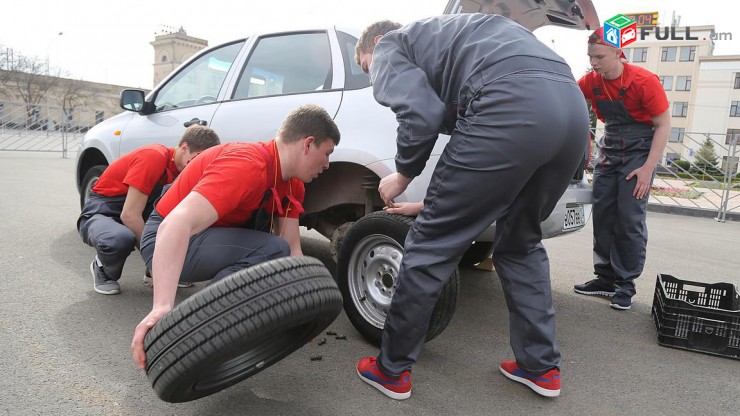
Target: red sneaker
(398, 389)
(547, 385)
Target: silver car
(243, 89)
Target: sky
(109, 42)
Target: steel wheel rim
(373, 276)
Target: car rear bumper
(577, 196)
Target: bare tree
(32, 79)
(72, 97)
(6, 57)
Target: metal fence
(44, 128)
(687, 176)
(699, 171)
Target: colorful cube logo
(620, 31)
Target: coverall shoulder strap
(269, 161)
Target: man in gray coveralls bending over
(518, 124)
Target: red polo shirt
(234, 178)
(142, 168)
(645, 97)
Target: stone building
(42, 102)
(171, 50)
(39, 101)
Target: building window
(735, 109)
(164, 58)
(99, 116)
(737, 80)
(671, 157)
(639, 54)
(688, 53)
(667, 82)
(726, 166)
(627, 53)
(668, 54)
(683, 83)
(680, 109)
(34, 114)
(676, 134)
(730, 133)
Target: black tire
(239, 326)
(373, 246)
(476, 253)
(88, 181)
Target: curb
(691, 212)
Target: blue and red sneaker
(399, 389)
(547, 385)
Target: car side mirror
(132, 100)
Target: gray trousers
(217, 252)
(100, 227)
(619, 220)
(509, 160)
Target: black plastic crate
(697, 316)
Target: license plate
(574, 217)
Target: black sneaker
(594, 288)
(621, 302)
(101, 283)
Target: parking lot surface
(64, 349)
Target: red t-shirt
(234, 178)
(142, 168)
(645, 97)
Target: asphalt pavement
(64, 349)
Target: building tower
(171, 48)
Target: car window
(354, 77)
(199, 82)
(286, 64)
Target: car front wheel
(88, 181)
(368, 263)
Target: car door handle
(195, 120)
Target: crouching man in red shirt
(234, 206)
(120, 202)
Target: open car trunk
(575, 14)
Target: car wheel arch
(90, 158)
(343, 193)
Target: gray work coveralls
(217, 252)
(619, 219)
(100, 227)
(518, 125)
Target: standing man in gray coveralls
(632, 103)
(518, 124)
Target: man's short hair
(365, 42)
(309, 120)
(199, 138)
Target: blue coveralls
(518, 124)
(619, 219)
